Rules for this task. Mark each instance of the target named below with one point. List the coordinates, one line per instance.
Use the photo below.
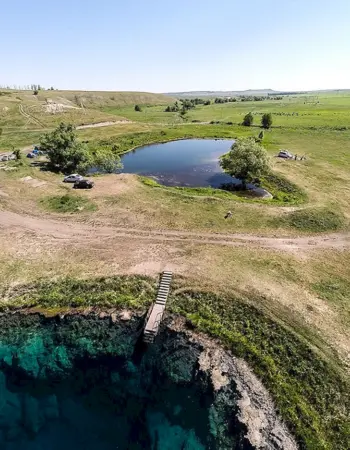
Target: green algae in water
(81, 383)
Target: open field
(274, 276)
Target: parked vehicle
(72, 178)
(84, 184)
(285, 154)
(7, 157)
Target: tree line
(186, 104)
(27, 87)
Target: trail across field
(67, 231)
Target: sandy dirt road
(73, 231)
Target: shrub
(248, 120)
(138, 108)
(17, 153)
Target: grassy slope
(311, 393)
(19, 130)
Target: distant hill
(222, 93)
(88, 99)
(244, 93)
(104, 98)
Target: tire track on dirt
(73, 232)
(29, 117)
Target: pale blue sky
(168, 45)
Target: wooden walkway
(157, 309)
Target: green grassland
(327, 111)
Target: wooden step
(164, 291)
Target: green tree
(138, 108)
(108, 162)
(248, 120)
(246, 160)
(183, 114)
(17, 153)
(64, 151)
(266, 120)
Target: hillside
(249, 92)
(222, 93)
(23, 112)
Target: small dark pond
(191, 162)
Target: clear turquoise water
(190, 162)
(85, 412)
(86, 384)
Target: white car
(72, 178)
(285, 154)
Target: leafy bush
(138, 108)
(17, 153)
(107, 161)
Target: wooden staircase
(156, 311)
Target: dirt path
(67, 231)
(29, 117)
(102, 124)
